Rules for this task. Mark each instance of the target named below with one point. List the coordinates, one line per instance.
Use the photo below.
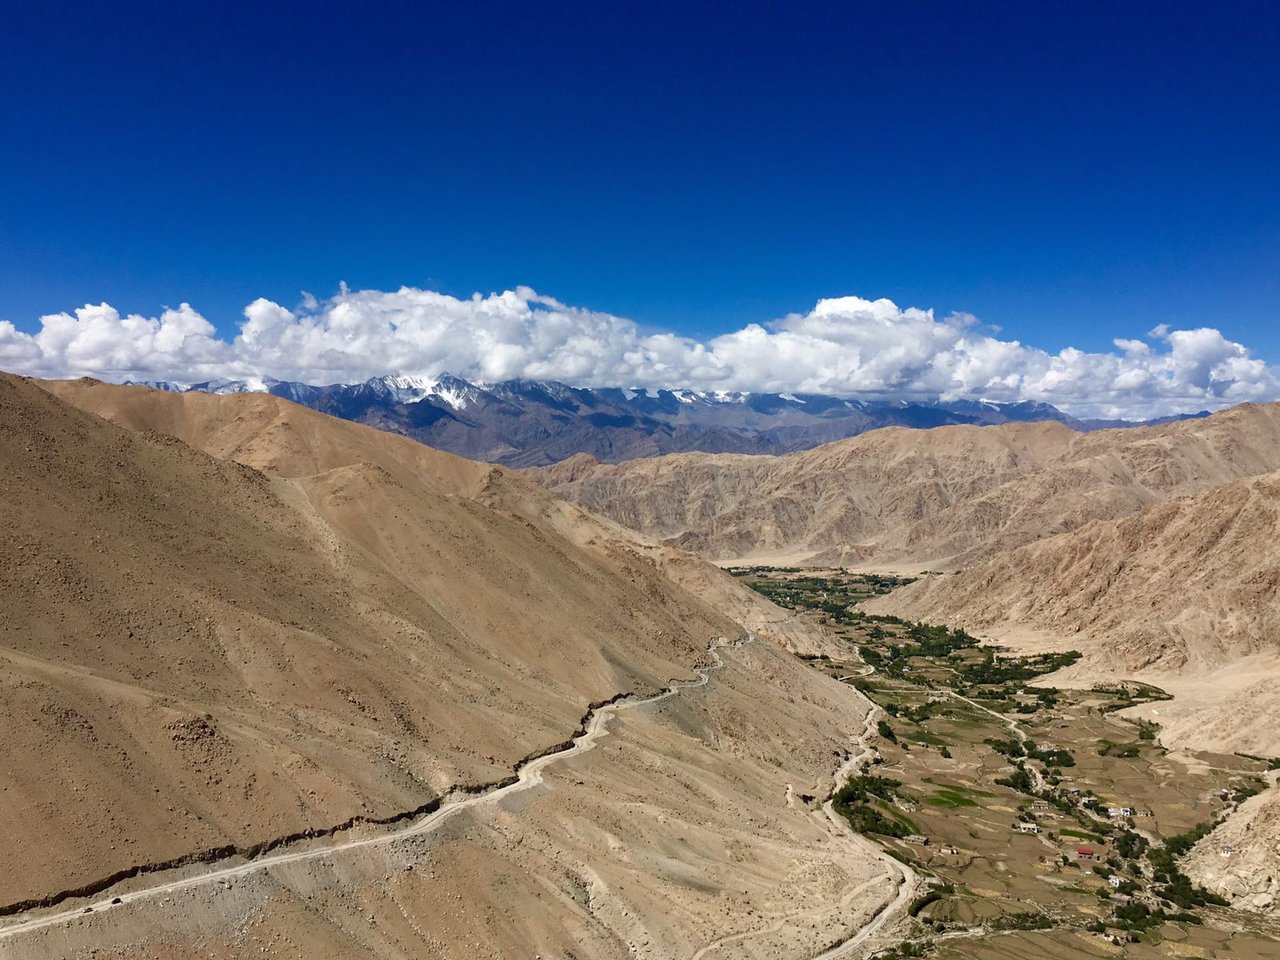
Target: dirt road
(1037, 780)
(529, 775)
(897, 873)
(908, 880)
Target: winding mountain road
(529, 775)
(907, 879)
(896, 872)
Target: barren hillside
(320, 623)
(355, 639)
(286, 440)
(932, 499)
(1183, 595)
(1189, 584)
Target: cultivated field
(1049, 825)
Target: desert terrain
(898, 499)
(319, 690)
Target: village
(1030, 807)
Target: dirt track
(529, 775)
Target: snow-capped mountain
(534, 422)
(453, 391)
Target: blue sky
(1070, 172)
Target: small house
(1086, 853)
(1115, 882)
(917, 838)
(1028, 827)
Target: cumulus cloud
(845, 346)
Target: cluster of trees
(834, 597)
(933, 895)
(1016, 749)
(855, 801)
(1125, 698)
(907, 950)
(1121, 751)
(997, 671)
(1019, 780)
(1130, 845)
(1174, 885)
(917, 714)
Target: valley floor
(1044, 822)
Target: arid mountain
(938, 499)
(229, 620)
(1186, 584)
(1183, 591)
(1152, 551)
(147, 585)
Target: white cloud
(98, 341)
(844, 345)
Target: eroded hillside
(229, 620)
(935, 499)
(1184, 593)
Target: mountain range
(1151, 550)
(919, 499)
(524, 423)
(234, 623)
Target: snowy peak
(452, 391)
(168, 386)
(204, 386)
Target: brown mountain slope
(1184, 593)
(195, 653)
(284, 439)
(919, 499)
